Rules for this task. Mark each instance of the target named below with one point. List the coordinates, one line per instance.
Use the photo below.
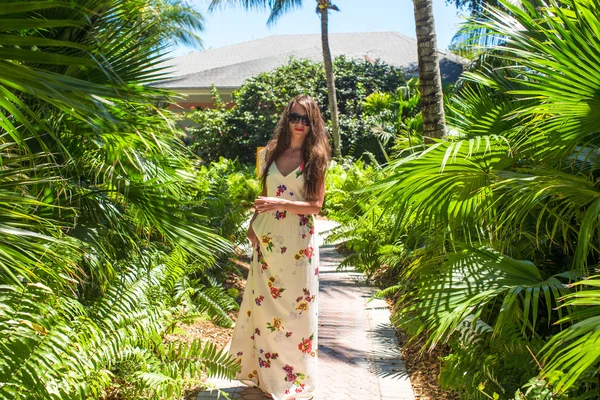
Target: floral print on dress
(268, 356)
(292, 377)
(280, 190)
(238, 357)
(299, 254)
(280, 214)
(304, 220)
(275, 325)
(304, 256)
(307, 225)
(308, 253)
(278, 330)
(276, 292)
(303, 302)
(261, 260)
(273, 289)
(300, 171)
(267, 241)
(306, 345)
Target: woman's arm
(267, 204)
(251, 235)
(263, 194)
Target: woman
(275, 337)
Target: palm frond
(574, 351)
(554, 55)
(445, 183)
(471, 279)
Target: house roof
(229, 66)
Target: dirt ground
(423, 369)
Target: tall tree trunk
(323, 7)
(432, 98)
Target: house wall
(201, 98)
(191, 105)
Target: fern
(388, 291)
(38, 347)
(183, 364)
(214, 301)
(61, 349)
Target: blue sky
(232, 25)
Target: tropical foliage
(235, 133)
(279, 7)
(398, 116)
(104, 241)
(492, 233)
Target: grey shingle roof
(228, 67)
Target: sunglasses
(295, 118)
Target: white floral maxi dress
(275, 336)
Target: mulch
(423, 368)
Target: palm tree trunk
(432, 98)
(335, 125)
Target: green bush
(99, 241)
(237, 132)
(344, 182)
(366, 230)
(226, 189)
(206, 129)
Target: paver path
(359, 357)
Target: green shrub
(344, 183)
(237, 132)
(98, 238)
(206, 129)
(226, 189)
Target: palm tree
(432, 98)
(278, 8)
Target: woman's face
(298, 121)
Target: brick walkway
(359, 357)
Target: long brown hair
(315, 150)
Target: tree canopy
(237, 132)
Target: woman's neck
(296, 145)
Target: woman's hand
(251, 235)
(266, 204)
